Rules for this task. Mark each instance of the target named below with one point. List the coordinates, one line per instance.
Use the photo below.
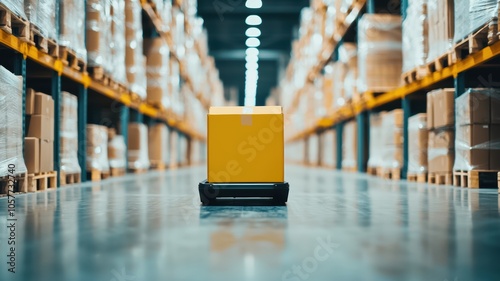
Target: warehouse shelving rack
(49, 74)
(472, 71)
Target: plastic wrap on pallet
(69, 134)
(375, 157)
(15, 6)
(441, 150)
(117, 152)
(462, 19)
(97, 148)
(440, 20)
(11, 127)
(158, 144)
(418, 138)
(350, 146)
(98, 32)
(477, 147)
(72, 27)
(313, 150)
(329, 147)
(379, 52)
(157, 71)
(392, 139)
(339, 74)
(415, 34)
(118, 42)
(478, 106)
(42, 14)
(138, 155)
(134, 58)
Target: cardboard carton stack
(69, 135)
(477, 144)
(375, 151)
(11, 129)
(441, 27)
(329, 149)
(41, 13)
(159, 146)
(415, 35)
(418, 138)
(72, 25)
(117, 152)
(134, 55)
(392, 142)
(157, 71)
(138, 155)
(97, 149)
(350, 146)
(313, 150)
(471, 15)
(39, 143)
(349, 56)
(379, 52)
(117, 41)
(441, 122)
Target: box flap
(243, 110)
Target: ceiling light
(253, 20)
(253, 32)
(252, 58)
(252, 42)
(253, 4)
(252, 52)
(252, 65)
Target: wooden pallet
(476, 179)
(440, 62)
(420, 178)
(135, 99)
(43, 43)
(138, 171)
(98, 73)
(96, 175)
(371, 171)
(118, 172)
(66, 179)
(389, 174)
(473, 43)
(440, 178)
(158, 166)
(71, 60)
(416, 74)
(19, 181)
(13, 24)
(42, 181)
(350, 169)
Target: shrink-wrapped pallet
(134, 58)
(348, 55)
(118, 42)
(157, 71)
(329, 148)
(69, 134)
(98, 33)
(138, 152)
(471, 15)
(117, 150)
(97, 148)
(11, 129)
(72, 27)
(375, 151)
(42, 14)
(418, 138)
(379, 52)
(415, 35)
(392, 139)
(15, 6)
(350, 146)
(441, 27)
(158, 144)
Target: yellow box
(245, 144)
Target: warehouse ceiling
(225, 23)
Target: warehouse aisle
(335, 227)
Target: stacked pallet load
(415, 41)
(70, 170)
(157, 69)
(117, 154)
(418, 139)
(350, 147)
(174, 149)
(379, 53)
(478, 24)
(477, 143)
(72, 50)
(12, 163)
(375, 153)
(138, 152)
(329, 149)
(40, 140)
(391, 155)
(349, 57)
(97, 152)
(43, 31)
(440, 21)
(158, 146)
(313, 151)
(134, 54)
(441, 149)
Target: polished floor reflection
(334, 227)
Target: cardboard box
(443, 104)
(442, 139)
(30, 101)
(418, 141)
(41, 127)
(430, 110)
(473, 107)
(158, 143)
(472, 149)
(245, 144)
(442, 162)
(44, 105)
(32, 155)
(441, 152)
(46, 156)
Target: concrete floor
(335, 227)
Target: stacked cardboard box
(350, 146)
(42, 14)
(329, 148)
(69, 135)
(418, 138)
(97, 148)
(71, 33)
(158, 145)
(313, 150)
(380, 55)
(470, 15)
(134, 54)
(138, 155)
(11, 129)
(117, 42)
(117, 150)
(415, 35)
(392, 139)
(157, 71)
(40, 137)
(441, 27)
(375, 151)
(349, 56)
(477, 130)
(440, 121)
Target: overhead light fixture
(252, 59)
(253, 20)
(253, 4)
(253, 32)
(252, 52)
(252, 42)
